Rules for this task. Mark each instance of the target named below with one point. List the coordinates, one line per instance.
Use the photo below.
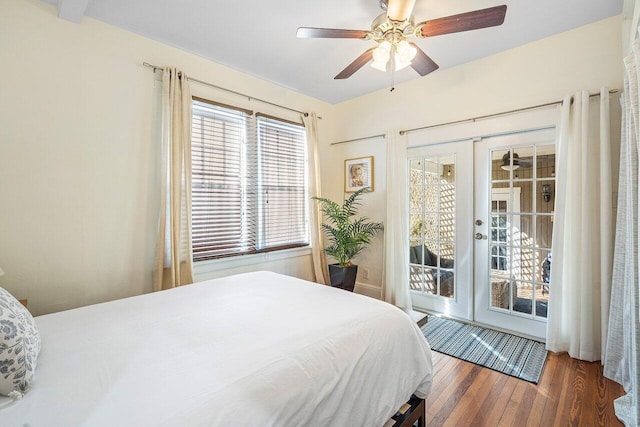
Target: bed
(256, 349)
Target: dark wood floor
(570, 393)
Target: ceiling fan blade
(422, 63)
(475, 20)
(539, 159)
(356, 65)
(330, 33)
(399, 10)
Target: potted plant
(347, 235)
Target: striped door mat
(519, 357)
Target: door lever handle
(480, 236)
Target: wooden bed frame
(409, 413)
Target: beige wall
(78, 152)
(79, 157)
(544, 71)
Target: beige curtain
(396, 249)
(320, 268)
(174, 264)
(582, 231)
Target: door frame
(501, 124)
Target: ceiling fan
(522, 161)
(392, 29)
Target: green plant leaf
(347, 236)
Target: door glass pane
(415, 226)
(544, 231)
(414, 245)
(545, 196)
(500, 164)
(417, 198)
(446, 283)
(522, 200)
(446, 269)
(542, 273)
(415, 278)
(526, 270)
(523, 163)
(448, 170)
(447, 198)
(430, 282)
(447, 227)
(447, 166)
(523, 297)
(500, 196)
(500, 296)
(429, 224)
(520, 230)
(446, 254)
(546, 159)
(432, 225)
(431, 174)
(542, 300)
(416, 165)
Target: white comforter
(257, 349)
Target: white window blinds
(283, 185)
(249, 188)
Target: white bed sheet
(257, 349)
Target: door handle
(480, 236)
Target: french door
(515, 195)
(481, 221)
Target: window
(249, 182)
(499, 230)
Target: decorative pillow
(19, 346)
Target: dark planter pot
(343, 277)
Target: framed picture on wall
(358, 173)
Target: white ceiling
(259, 37)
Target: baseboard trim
(369, 290)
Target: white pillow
(19, 346)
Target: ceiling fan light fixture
(400, 63)
(379, 65)
(405, 50)
(381, 56)
(510, 168)
(404, 54)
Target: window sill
(213, 265)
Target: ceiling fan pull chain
(393, 76)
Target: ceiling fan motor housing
(507, 158)
(383, 29)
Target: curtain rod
(157, 67)
(403, 132)
(359, 139)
